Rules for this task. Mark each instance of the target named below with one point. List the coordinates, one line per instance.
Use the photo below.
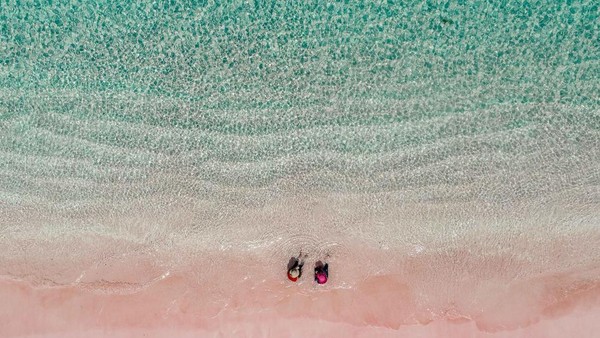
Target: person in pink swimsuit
(321, 272)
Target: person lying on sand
(295, 268)
(321, 272)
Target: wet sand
(385, 306)
(415, 270)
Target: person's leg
(326, 269)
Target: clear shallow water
(344, 97)
(161, 132)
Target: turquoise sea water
(243, 102)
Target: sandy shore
(195, 301)
(420, 270)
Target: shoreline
(427, 269)
(185, 301)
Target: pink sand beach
(470, 282)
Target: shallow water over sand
(524, 268)
(159, 166)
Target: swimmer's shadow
(293, 262)
(296, 261)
